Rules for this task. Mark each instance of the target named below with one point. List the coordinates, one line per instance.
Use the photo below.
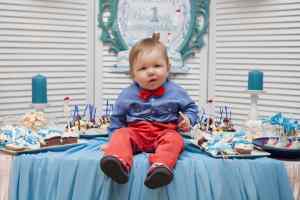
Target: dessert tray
(279, 147)
(41, 149)
(92, 134)
(227, 144)
(254, 153)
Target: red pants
(162, 139)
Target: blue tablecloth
(74, 173)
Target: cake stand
(253, 125)
(253, 114)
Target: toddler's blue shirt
(130, 108)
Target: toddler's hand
(184, 122)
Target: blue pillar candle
(39, 89)
(255, 80)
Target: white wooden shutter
(260, 35)
(50, 37)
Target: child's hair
(147, 44)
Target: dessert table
(74, 173)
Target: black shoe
(158, 176)
(114, 168)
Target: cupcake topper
(90, 111)
(76, 114)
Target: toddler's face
(150, 69)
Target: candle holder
(253, 125)
(255, 87)
(39, 107)
(254, 95)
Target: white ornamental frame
(181, 24)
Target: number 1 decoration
(181, 24)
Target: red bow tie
(146, 94)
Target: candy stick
(221, 114)
(76, 115)
(67, 111)
(85, 110)
(94, 114)
(90, 112)
(77, 112)
(202, 116)
(111, 107)
(205, 121)
(182, 115)
(106, 108)
(73, 115)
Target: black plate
(92, 134)
(42, 149)
(277, 152)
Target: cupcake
(243, 148)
